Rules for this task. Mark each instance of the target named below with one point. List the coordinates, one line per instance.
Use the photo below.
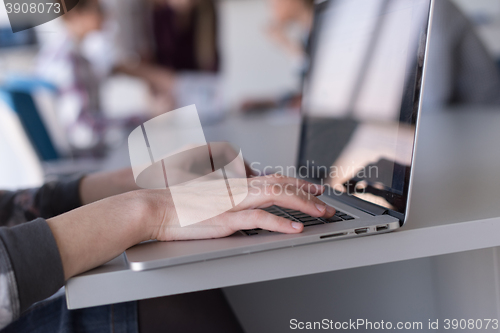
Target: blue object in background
(9, 39)
(18, 94)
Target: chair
(18, 93)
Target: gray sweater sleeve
(50, 200)
(30, 268)
(30, 264)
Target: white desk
(455, 208)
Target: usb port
(334, 235)
(361, 231)
(382, 227)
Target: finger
(297, 199)
(287, 196)
(257, 218)
(308, 187)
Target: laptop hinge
(398, 215)
(360, 204)
(368, 207)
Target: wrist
(155, 211)
(94, 234)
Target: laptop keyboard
(298, 216)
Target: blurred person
(77, 63)
(288, 13)
(176, 41)
(285, 16)
(64, 63)
(185, 35)
(185, 43)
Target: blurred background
(73, 88)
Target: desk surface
(454, 208)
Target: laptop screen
(361, 97)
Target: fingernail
(321, 208)
(296, 225)
(330, 210)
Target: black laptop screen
(361, 97)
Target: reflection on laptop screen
(361, 97)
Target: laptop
(361, 100)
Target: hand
(263, 192)
(160, 78)
(94, 234)
(277, 32)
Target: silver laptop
(361, 100)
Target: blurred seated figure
(176, 41)
(78, 62)
(287, 15)
(185, 42)
(64, 64)
(185, 35)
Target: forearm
(143, 71)
(160, 79)
(94, 234)
(136, 69)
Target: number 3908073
(32, 8)
(471, 324)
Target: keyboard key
(250, 232)
(307, 219)
(301, 215)
(310, 223)
(333, 219)
(347, 217)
